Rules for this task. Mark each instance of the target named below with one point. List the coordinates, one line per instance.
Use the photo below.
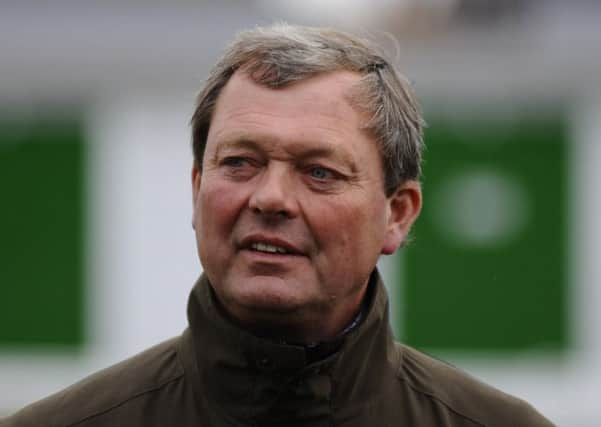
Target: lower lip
(270, 256)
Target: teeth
(264, 247)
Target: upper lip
(246, 243)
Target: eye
(234, 162)
(239, 167)
(320, 173)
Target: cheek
(343, 225)
(352, 229)
(216, 210)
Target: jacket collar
(245, 377)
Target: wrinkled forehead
(332, 95)
(349, 85)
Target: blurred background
(97, 254)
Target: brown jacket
(216, 375)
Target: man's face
(289, 208)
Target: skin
(292, 167)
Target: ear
(195, 181)
(196, 177)
(404, 206)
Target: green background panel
(41, 233)
(509, 294)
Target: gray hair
(281, 54)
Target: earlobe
(404, 207)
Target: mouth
(269, 245)
(265, 247)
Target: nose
(274, 194)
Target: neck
(297, 328)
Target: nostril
(271, 214)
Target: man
(307, 148)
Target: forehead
(319, 103)
(337, 84)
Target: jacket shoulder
(462, 394)
(105, 390)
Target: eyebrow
(299, 150)
(237, 142)
(328, 153)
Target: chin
(266, 302)
(268, 294)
